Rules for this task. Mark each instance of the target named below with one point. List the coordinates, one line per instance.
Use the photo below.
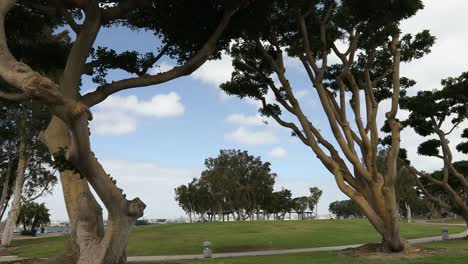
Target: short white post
(207, 252)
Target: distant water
(57, 229)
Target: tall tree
(447, 111)
(367, 72)
(68, 132)
(315, 194)
(280, 204)
(345, 209)
(31, 160)
(33, 215)
(234, 182)
(300, 204)
(185, 195)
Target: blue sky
(156, 138)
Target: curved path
(279, 252)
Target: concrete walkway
(20, 237)
(9, 258)
(279, 252)
(424, 222)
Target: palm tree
(33, 215)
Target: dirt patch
(374, 251)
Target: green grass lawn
(458, 257)
(456, 244)
(330, 258)
(238, 236)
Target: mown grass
(330, 258)
(237, 236)
(445, 256)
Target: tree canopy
(69, 30)
(232, 182)
(314, 32)
(437, 121)
(33, 215)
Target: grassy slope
(239, 236)
(333, 258)
(330, 258)
(244, 236)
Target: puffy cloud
(120, 114)
(301, 94)
(446, 21)
(162, 105)
(246, 120)
(215, 72)
(248, 137)
(278, 152)
(108, 123)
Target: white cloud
(248, 137)
(119, 114)
(162, 105)
(215, 72)
(108, 123)
(301, 94)
(446, 21)
(246, 120)
(278, 152)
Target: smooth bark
(372, 191)
(6, 183)
(18, 191)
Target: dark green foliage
(32, 39)
(300, 204)
(315, 194)
(180, 27)
(430, 109)
(463, 147)
(280, 203)
(429, 148)
(417, 47)
(61, 163)
(106, 59)
(232, 182)
(345, 209)
(374, 20)
(239, 184)
(33, 215)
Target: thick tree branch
(80, 50)
(201, 57)
(415, 174)
(391, 116)
(18, 97)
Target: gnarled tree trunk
(84, 213)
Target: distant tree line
(238, 186)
